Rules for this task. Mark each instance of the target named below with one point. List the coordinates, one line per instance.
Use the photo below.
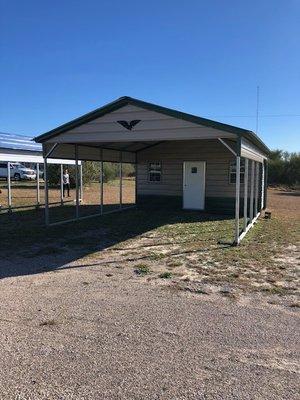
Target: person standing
(66, 183)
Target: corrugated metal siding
(173, 154)
(18, 142)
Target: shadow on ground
(28, 247)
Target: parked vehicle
(18, 171)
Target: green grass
(194, 235)
(142, 269)
(165, 275)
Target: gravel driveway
(104, 333)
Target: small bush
(142, 269)
(165, 275)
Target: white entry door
(194, 185)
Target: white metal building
(204, 164)
(23, 149)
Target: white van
(18, 171)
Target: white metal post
(262, 204)
(246, 194)
(237, 199)
(252, 189)
(101, 181)
(46, 192)
(256, 188)
(121, 180)
(136, 178)
(81, 183)
(61, 185)
(76, 181)
(38, 185)
(9, 187)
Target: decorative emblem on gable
(129, 125)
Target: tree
(284, 168)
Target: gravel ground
(104, 333)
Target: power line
(254, 116)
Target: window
(232, 172)
(155, 172)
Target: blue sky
(61, 59)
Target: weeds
(142, 269)
(165, 275)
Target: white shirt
(66, 179)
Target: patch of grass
(174, 264)
(165, 275)
(156, 256)
(275, 290)
(49, 322)
(142, 269)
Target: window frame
(149, 171)
(242, 172)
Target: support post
(246, 194)
(101, 186)
(136, 178)
(266, 184)
(121, 180)
(262, 198)
(256, 188)
(252, 189)
(81, 183)
(61, 185)
(101, 181)
(237, 200)
(76, 181)
(9, 187)
(46, 192)
(38, 185)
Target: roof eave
(125, 100)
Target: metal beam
(136, 178)
(51, 150)
(262, 198)
(246, 194)
(237, 200)
(76, 179)
(61, 185)
(228, 147)
(101, 182)
(9, 187)
(252, 190)
(256, 188)
(81, 182)
(38, 185)
(46, 192)
(121, 180)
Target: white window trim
(148, 172)
(242, 174)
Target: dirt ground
(149, 305)
(25, 193)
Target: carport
(22, 149)
(207, 165)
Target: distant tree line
(90, 172)
(284, 168)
